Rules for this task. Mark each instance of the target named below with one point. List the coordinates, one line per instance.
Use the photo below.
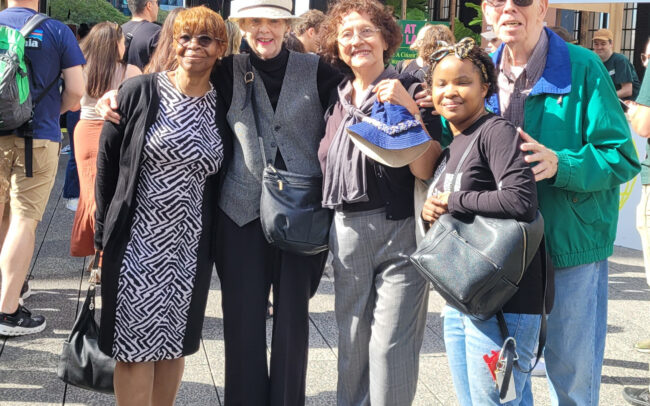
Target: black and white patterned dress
(157, 277)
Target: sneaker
(643, 346)
(20, 324)
(66, 149)
(636, 396)
(72, 204)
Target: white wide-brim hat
(272, 9)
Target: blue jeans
(467, 339)
(71, 182)
(577, 326)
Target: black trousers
(247, 266)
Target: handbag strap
(249, 79)
(462, 161)
(542, 329)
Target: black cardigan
(115, 188)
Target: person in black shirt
(141, 34)
(493, 181)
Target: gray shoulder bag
(292, 216)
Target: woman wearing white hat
(290, 95)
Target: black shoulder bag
(82, 363)
(292, 216)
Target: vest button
(273, 145)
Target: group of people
(171, 165)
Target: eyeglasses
(346, 37)
(501, 3)
(644, 58)
(203, 40)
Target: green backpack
(15, 99)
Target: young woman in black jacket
(493, 181)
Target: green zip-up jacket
(573, 110)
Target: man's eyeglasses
(203, 40)
(501, 3)
(346, 37)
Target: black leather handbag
(291, 213)
(82, 363)
(292, 216)
(476, 264)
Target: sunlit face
(458, 92)
(361, 44)
(155, 8)
(310, 40)
(197, 59)
(264, 35)
(647, 55)
(515, 24)
(603, 48)
(492, 45)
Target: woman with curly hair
(494, 181)
(380, 299)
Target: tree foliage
(415, 9)
(85, 11)
(461, 31)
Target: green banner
(410, 29)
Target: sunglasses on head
(203, 40)
(501, 3)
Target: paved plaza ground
(28, 364)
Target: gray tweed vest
(295, 128)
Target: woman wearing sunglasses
(493, 181)
(289, 93)
(157, 175)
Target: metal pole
(452, 14)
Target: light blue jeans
(577, 326)
(467, 339)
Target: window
(629, 30)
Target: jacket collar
(556, 78)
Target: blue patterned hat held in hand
(390, 136)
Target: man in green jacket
(578, 141)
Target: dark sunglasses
(203, 40)
(501, 3)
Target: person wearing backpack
(50, 51)
(141, 33)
